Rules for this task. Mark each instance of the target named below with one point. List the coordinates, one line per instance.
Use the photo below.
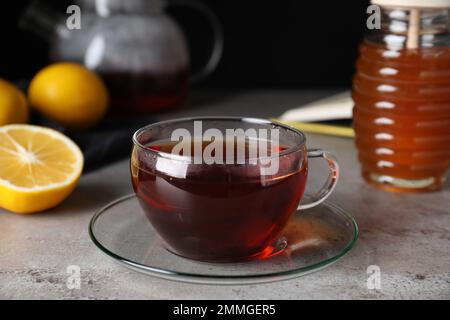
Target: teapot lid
(106, 7)
(414, 3)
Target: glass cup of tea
(221, 189)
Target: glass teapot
(140, 51)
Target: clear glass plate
(316, 238)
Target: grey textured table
(406, 235)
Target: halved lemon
(39, 168)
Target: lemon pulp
(39, 167)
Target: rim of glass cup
(171, 156)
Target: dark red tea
(211, 212)
(146, 92)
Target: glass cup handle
(331, 182)
(217, 49)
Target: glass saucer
(316, 238)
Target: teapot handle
(217, 49)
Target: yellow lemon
(70, 94)
(39, 167)
(13, 105)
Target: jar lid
(413, 3)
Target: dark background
(271, 43)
